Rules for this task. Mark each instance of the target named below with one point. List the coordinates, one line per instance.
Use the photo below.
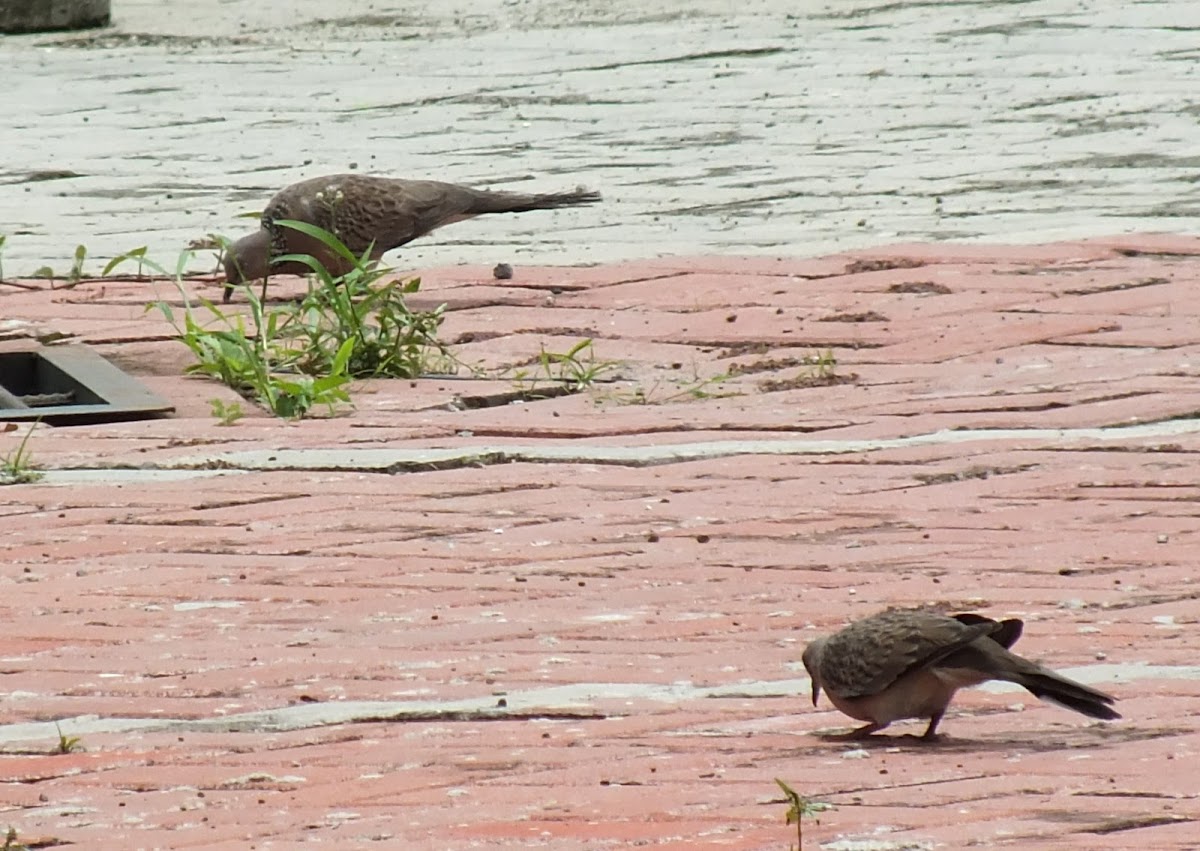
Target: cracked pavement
(454, 618)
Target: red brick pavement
(600, 648)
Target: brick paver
(582, 628)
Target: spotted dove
(908, 663)
(363, 211)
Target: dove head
(812, 664)
(246, 259)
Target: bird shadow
(1040, 740)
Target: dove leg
(930, 733)
(229, 288)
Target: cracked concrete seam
(402, 460)
(572, 701)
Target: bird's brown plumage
(378, 213)
(908, 663)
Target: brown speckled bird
(908, 663)
(363, 211)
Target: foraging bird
(363, 211)
(908, 663)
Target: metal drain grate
(72, 385)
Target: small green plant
(390, 340)
(664, 391)
(573, 370)
(820, 370)
(66, 744)
(16, 467)
(226, 415)
(444, 362)
(76, 273)
(823, 364)
(301, 355)
(577, 367)
(256, 364)
(73, 277)
(11, 843)
(3, 239)
(800, 808)
(675, 391)
(136, 255)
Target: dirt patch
(863, 316)
(920, 288)
(775, 385)
(883, 264)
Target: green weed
(226, 415)
(665, 391)
(823, 364)
(390, 340)
(16, 467)
(136, 255)
(301, 355)
(573, 370)
(820, 370)
(800, 808)
(76, 273)
(11, 843)
(66, 744)
(74, 276)
(257, 365)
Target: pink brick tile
(204, 598)
(1043, 255)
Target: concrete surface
(765, 126)
(559, 624)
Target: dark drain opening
(71, 385)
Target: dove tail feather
(515, 202)
(1070, 695)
